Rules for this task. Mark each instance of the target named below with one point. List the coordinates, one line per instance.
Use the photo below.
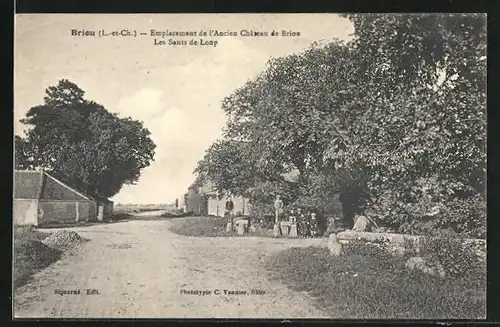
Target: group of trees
(83, 144)
(393, 122)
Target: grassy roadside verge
(206, 227)
(200, 226)
(30, 254)
(357, 286)
(35, 250)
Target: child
(314, 225)
(292, 217)
(303, 224)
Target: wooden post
(77, 213)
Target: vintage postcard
(282, 166)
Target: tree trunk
(348, 208)
(348, 214)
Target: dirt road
(139, 269)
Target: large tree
(394, 121)
(421, 132)
(277, 128)
(82, 143)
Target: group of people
(306, 220)
(307, 223)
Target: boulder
(332, 228)
(362, 224)
(240, 229)
(284, 229)
(293, 231)
(334, 246)
(421, 264)
(241, 226)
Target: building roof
(39, 185)
(27, 184)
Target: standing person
(229, 209)
(313, 225)
(301, 222)
(278, 207)
(307, 223)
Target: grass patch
(175, 215)
(360, 286)
(29, 232)
(207, 227)
(30, 254)
(200, 226)
(120, 216)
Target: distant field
(141, 208)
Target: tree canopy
(394, 121)
(82, 143)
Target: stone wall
(24, 212)
(65, 211)
(396, 242)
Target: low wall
(65, 211)
(87, 211)
(396, 242)
(24, 212)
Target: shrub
(410, 248)
(220, 222)
(444, 205)
(448, 249)
(466, 216)
(368, 249)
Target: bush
(446, 205)
(448, 249)
(410, 248)
(373, 250)
(467, 216)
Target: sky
(175, 90)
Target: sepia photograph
(258, 166)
